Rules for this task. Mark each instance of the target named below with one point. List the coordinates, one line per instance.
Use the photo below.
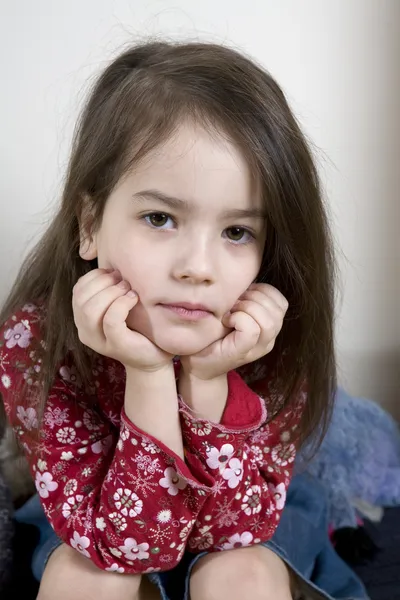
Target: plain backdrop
(339, 64)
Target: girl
(191, 226)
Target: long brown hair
(136, 103)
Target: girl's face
(187, 227)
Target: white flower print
(238, 540)
(100, 523)
(251, 501)
(80, 543)
(127, 502)
(28, 417)
(164, 516)
(115, 552)
(118, 520)
(86, 471)
(70, 487)
(217, 459)
(172, 481)
(134, 551)
(91, 420)
(66, 435)
(199, 427)
(67, 455)
(279, 494)
(204, 541)
(6, 381)
(283, 454)
(257, 454)
(19, 335)
(42, 465)
(115, 568)
(70, 375)
(55, 416)
(102, 446)
(233, 474)
(70, 505)
(44, 484)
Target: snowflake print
(142, 484)
(233, 474)
(160, 534)
(251, 502)
(172, 481)
(283, 454)
(118, 521)
(28, 417)
(80, 543)
(238, 540)
(128, 503)
(217, 459)
(147, 464)
(218, 487)
(44, 484)
(134, 551)
(224, 515)
(19, 335)
(66, 435)
(257, 524)
(4, 362)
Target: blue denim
(301, 540)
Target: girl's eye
(239, 235)
(159, 220)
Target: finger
(85, 290)
(114, 321)
(246, 331)
(272, 292)
(267, 302)
(269, 321)
(91, 314)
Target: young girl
(191, 226)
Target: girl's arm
(110, 489)
(251, 461)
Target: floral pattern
(117, 495)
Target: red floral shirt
(121, 497)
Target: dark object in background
(21, 582)
(6, 534)
(355, 545)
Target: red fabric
(121, 497)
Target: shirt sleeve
(251, 461)
(112, 492)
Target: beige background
(339, 63)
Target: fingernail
(131, 294)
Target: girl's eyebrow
(183, 205)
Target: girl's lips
(188, 312)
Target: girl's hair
(136, 104)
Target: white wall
(338, 61)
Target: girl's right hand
(101, 302)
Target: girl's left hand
(255, 322)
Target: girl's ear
(87, 237)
